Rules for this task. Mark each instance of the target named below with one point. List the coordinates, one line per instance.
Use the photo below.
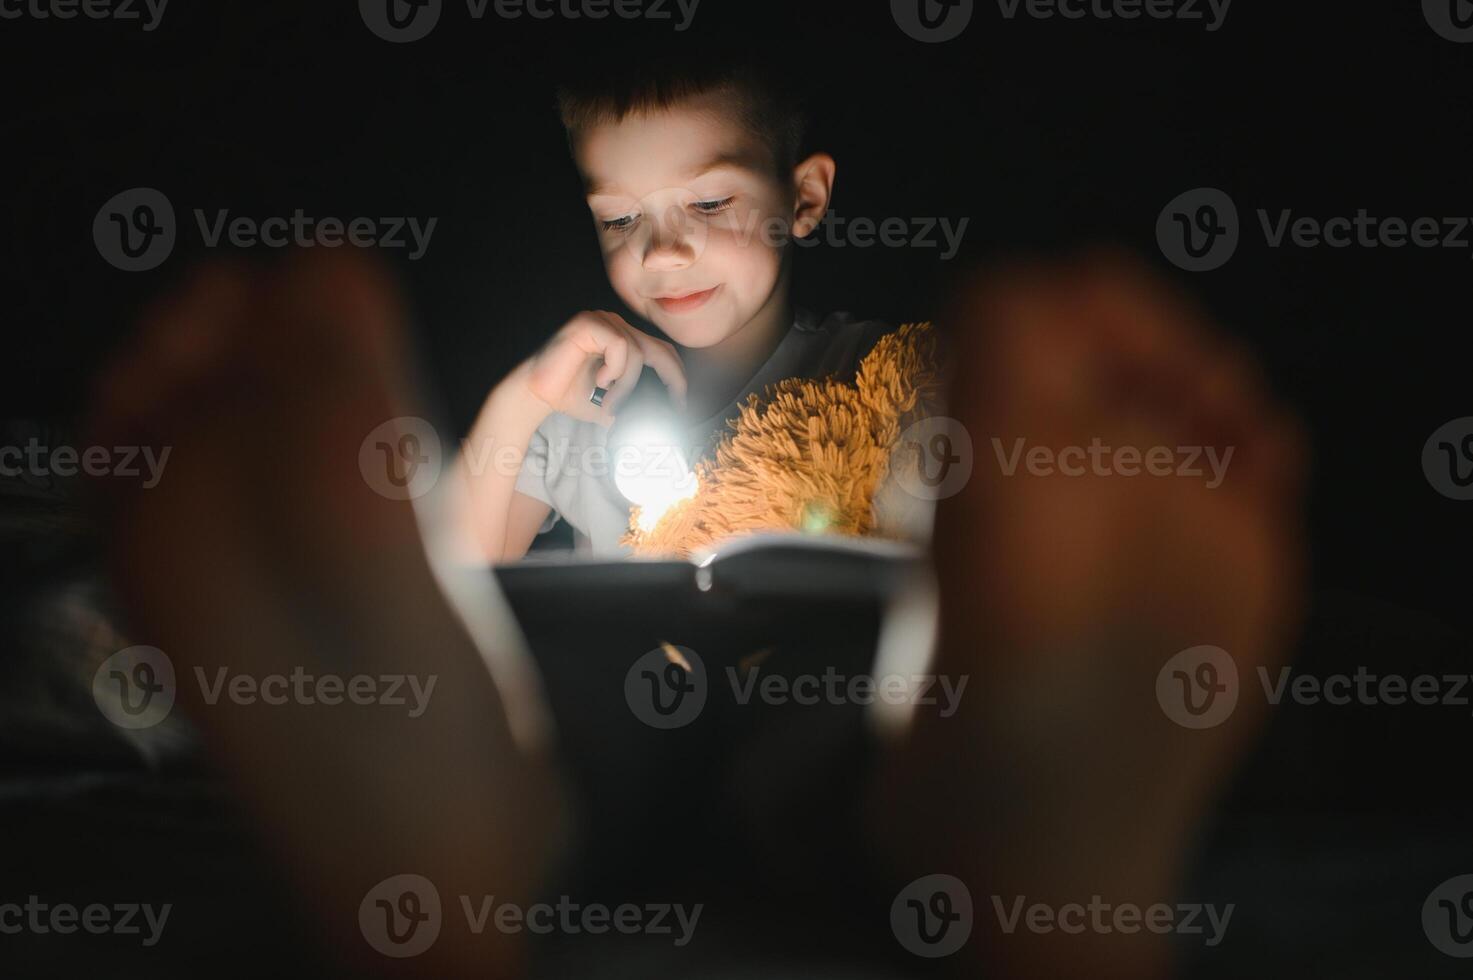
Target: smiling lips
(685, 302)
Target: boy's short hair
(768, 105)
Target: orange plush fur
(809, 455)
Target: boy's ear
(813, 179)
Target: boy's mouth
(685, 302)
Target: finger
(616, 360)
(621, 387)
(658, 354)
(666, 361)
(566, 359)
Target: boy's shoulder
(838, 342)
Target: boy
(1061, 780)
(695, 185)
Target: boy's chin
(695, 331)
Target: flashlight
(650, 458)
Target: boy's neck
(716, 375)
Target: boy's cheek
(748, 263)
(631, 297)
(613, 246)
(623, 273)
(754, 227)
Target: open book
(786, 604)
(752, 566)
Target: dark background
(1049, 135)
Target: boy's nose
(671, 244)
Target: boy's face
(691, 217)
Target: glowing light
(651, 509)
(648, 453)
(651, 472)
(816, 517)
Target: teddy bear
(812, 456)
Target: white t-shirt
(567, 465)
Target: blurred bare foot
(1070, 575)
(264, 550)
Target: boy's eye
(627, 221)
(621, 223)
(713, 207)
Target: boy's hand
(598, 348)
